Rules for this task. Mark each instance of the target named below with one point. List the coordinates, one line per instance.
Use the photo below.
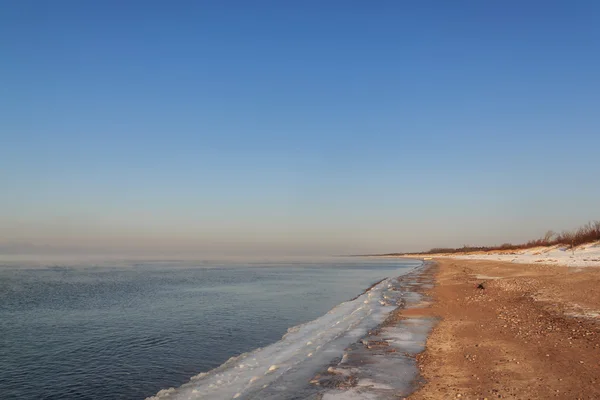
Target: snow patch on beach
(352, 394)
(587, 255)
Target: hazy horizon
(275, 129)
(176, 249)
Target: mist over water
(129, 330)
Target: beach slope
(512, 331)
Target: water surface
(128, 331)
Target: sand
(531, 332)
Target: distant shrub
(587, 233)
(507, 246)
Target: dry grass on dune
(587, 233)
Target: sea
(129, 330)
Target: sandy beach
(517, 331)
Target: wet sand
(528, 332)
(382, 364)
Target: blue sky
(310, 127)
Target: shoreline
(511, 330)
(314, 360)
(383, 363)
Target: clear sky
(295, 127)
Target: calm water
(126, 332)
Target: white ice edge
(301, 351)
